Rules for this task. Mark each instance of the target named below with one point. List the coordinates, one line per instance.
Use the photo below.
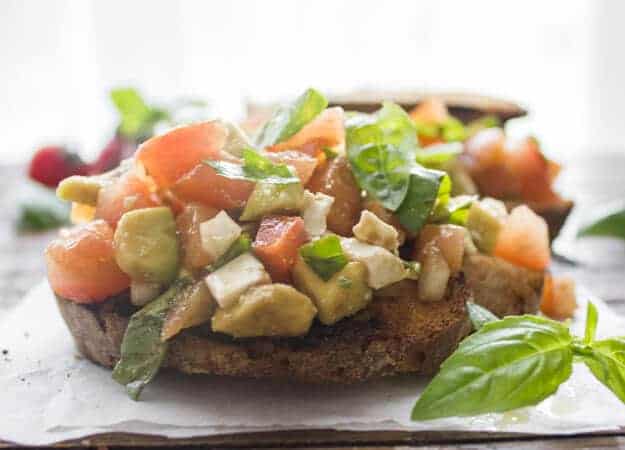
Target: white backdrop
(58, 58)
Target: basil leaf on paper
(255, 167)
(479, 316)
(606, 361)
(510, 363)
(289, 119)
(324, 256)
(142, 351)
(611, 224)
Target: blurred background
(562, 59)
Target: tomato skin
(534, 172)
(130, 192)
(524, 240)
(303, 164)
(326, 130)
(81, 264)
(430, 110)
(204, 185)
(335, 178)
(277, 242)
(558, 297)
(188, 227)
(168, 157)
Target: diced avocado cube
(146, 246)
(341, 296)
(79, 189)
(272, 198)
(484, 221)
(269, 310)
(192, 306)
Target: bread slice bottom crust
(395, 334)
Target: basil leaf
(455, 210)
(592, 317)
(382, 171)
(479, 316)
(137, 118)
(610, 225)
(41, 216)
(142, 351)
(380, 148)
(606, 361)
(435, 156)
(255, 168)
(324, 256)
(507, 364)
(242, 245)
(289, 119)
(426, 186)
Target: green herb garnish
(289, 119)
(611, 224)
(137, 118)
(479, 316)
(517, 361)
(41, 217)
(142, 350)
(255, 167)
(324, 256)
(435, 156)
(426, 188)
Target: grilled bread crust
(395, 334)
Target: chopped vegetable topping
(325, 256)
(289, 119)
(255, 168)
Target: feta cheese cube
(218, 234)
(228, 282)
(315, 212)
(372, 230)
(383, 268)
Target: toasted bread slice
(395, 334)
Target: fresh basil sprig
(137, 118)
(517, 361)
(289, 119)
(611, 224)
(142, 350)
(435, 156)
(479, 316)
(381, 149)
(255, 167)
(324, 256)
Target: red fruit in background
(118, 149)
(52, 164)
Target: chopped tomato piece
(130, 191)
(205, 186)
(430, 110)
(169, 156)
(303, 164)
(534, 173)
(558, 300)
(81, 264)
(188, 225)
(524, 240)
(337, 180)
(326, 130)
(277, 242)
(448, 238)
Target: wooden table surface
(597, 264)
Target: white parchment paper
(49, 394)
